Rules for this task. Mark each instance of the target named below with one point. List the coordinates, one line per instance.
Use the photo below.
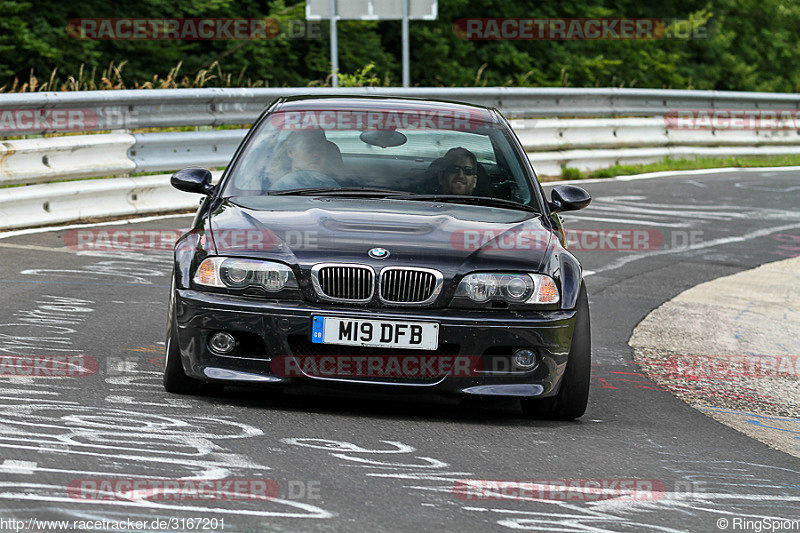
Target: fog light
(525, 359)
(222, 342)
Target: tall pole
(406, 72)
(334, 48)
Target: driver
(299, 151)
(306, 150)
(303, 161)
(458, 172)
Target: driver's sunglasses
(455, 169)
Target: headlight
(235, 273)
(512, 288)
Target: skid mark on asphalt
(791, 246)
(616, 379)
(767, 186)
(634, 207)
(45, 328)
(613, 265)
(153, 348)
(126, 443)
(637, 210)
(119, 272)
(698, 388)
(697, 495)
(116, 267)
(119, 438)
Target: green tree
(748, 46)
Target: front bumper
(266, 330)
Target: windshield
(432, 152)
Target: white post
(406, 59)
(334, 48)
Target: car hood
(305, 230)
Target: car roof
(393, 103)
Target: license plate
(377, 333)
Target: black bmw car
(367, 242)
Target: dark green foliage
(750, 46)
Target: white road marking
(12, 466)
(637, 222)
(708, 244)
(311, 511)
(168, 402)
(674, 174)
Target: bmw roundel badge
(379, 253)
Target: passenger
(458, 172)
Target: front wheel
(573, 396)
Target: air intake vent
(409, 285)
(351, 283)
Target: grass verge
(570, 173)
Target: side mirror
(197, 180)
(568, 198)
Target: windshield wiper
(466, 199)
(337, 191)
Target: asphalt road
(383, 463)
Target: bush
(571, 173)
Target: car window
(473, 158)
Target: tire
(175, 379)
(573, 396)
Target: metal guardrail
(60, 158)
(553, 163)
(160, 108)
(170, 151)
(53, 203)
(627, 126)
(566, 134)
